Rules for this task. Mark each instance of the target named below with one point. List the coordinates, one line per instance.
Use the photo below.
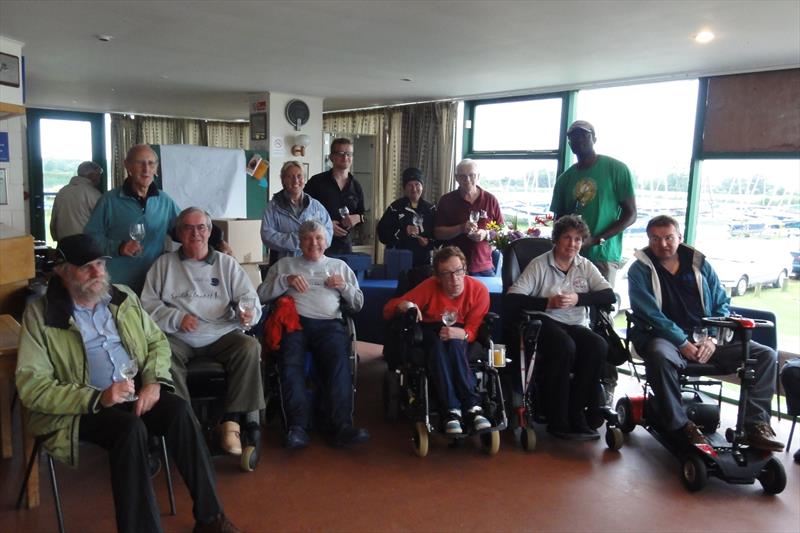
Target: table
(370, 326)
(9, 342)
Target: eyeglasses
(452, 274)
(148, 162)
(465, 176)
(342, 154)
(669, 239)
(199, 228)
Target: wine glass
(449, 317)
(700, 334)
(136, 231)
(129, 369)
(483, 214)
(247, 305)
(416, 220)
(474, 216)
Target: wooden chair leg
(168, 474)
(56, 496)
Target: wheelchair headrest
(517, 256)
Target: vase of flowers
(501, 236)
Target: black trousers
(565, 349)
(124, 435)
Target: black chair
(525, 329)
(790, 377)
(37, 447)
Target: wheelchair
(407, 390)
(273, 390)
(727, 457)
(526, 404)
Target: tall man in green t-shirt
(599, 189)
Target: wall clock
(297, 113)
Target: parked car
(738, 276)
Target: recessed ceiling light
(164, 77)
(704, 37)
(406, 79)
(103, 37)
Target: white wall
(15, 214)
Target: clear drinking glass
(136, 231)
(417, 221)
(474, 216)
(700, 335)
(449, 317)
(129, 369)
(247, 305)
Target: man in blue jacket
(672, 287)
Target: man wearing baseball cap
(74, 344)
(599, 188)
(408, 222)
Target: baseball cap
(79, 249)
(580, 125)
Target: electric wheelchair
(521, 330)
(408, 391)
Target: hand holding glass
(416, 220)
(247, 305)
(700, 335)
(344, 213)
(129, 369)
(136, 231)
(474, 216)
(449, 317)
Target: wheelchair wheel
(694, 473)
(420, 439)
(391, 396)
(625, 414)
(527, 438)
(490, 442)
(614, 438)
(773, 477)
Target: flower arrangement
(501, 236)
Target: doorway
(59, 141)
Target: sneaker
(230, 438)
(220, 524)
(479, 422)
(762, 436)
(349, 435)
(251, 446)
(693, 435)
(453, 424)
(297, 438)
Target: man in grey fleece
(192, 296)
(320, 287)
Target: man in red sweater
(460, 302)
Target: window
(517, 126)
(748, 224)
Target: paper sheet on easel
(211, 178)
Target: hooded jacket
(52, 373)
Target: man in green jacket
(74, 344)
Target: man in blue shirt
(73, 346)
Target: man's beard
(92, 290)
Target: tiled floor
(383, 486)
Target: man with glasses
(341, 195)
(462, 215)
(74, 343)
(672, 287)
(138, 200)
(195, 296)
(449, 291)
(75, 201)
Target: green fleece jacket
(52, 374)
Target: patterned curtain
(127, 131)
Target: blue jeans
(328, 342)
(663, 361)
(452, 377)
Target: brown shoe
(693, 434)
(221, 524)
(230, 438)
(762, 437)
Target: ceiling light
(406, 79)
(103, 37)
(704, 37)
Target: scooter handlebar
(737, 322)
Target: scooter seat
(702, 369)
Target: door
(59, 141)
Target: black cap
(413, 174)
(79, 249)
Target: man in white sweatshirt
(320, 287)
(193, 295)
